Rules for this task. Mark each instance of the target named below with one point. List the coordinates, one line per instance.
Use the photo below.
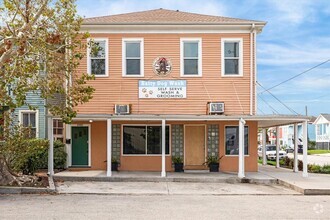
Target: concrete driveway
(319, 159)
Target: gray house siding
(34, 100)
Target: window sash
(139, 58)
(237, 58)
(103, 56)
(195, 58)
(146, 149)
(233, 149)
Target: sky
(295, 39)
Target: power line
(295, 76)
(274, 110)
(290, 109)
(261, 111)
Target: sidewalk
(171, 188)
(314, 184)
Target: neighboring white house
(322, 124)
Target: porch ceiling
(264, 121)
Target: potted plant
(114, 164)
(178, 163)
(213, 163)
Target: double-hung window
(29, 119)
(133, 57)
(232, 57)
(232, 140)
(191, 57)
(144, 140)
(98, 57)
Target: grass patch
(311, 152)
(269, 162)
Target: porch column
(241, 172)
(163, 174)
(305, 148)
(109, 144)
(51, 147)
(295, 152)
(264, 142)
(277, 147)
(68, 145)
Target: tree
(40, 49)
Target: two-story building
(169, 83)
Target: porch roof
(264, 121)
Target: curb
(232, 180)
(29, 190)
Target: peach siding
(153, 163)
(116, 89)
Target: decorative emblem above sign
(162, 66)
(162, 89)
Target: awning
(264, 121)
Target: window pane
(190, 67)
(231, 66)
(98, 67)
(191, 49)
(232, 138)
(33, 120)
(59, 131)
(60, 123)
(98, 49)
(232, 49)
(133, 49)
(133, 67)
(154, 140)
(25, 120)
(33, 133)
(134, 139)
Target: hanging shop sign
(162, 89)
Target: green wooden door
(79, 146)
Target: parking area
(318, 159)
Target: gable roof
(326, 116)
(164, 16)
(323, 115)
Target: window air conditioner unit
(121, 109)
(216, 107)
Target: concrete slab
(314, 184)
(171, 188)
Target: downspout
(251, 67)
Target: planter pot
(214, 167)
(178, 167)
(114, 166)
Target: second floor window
(133, 57)
(232, 64)
(98, 57)
(191, 57)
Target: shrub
(300, 165)
(31, 155)
(313, 168)
(36, 156)
(177, 159)
(325, 169)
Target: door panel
(79, 146)
(195, 146)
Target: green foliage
(28, 160)
(177, 159)
(311, 145)
(311, 152)
(212, 160)
(41, 46)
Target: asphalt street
(79, 206)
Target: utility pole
(306, 112)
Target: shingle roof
(326, 116)
(164, 16)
